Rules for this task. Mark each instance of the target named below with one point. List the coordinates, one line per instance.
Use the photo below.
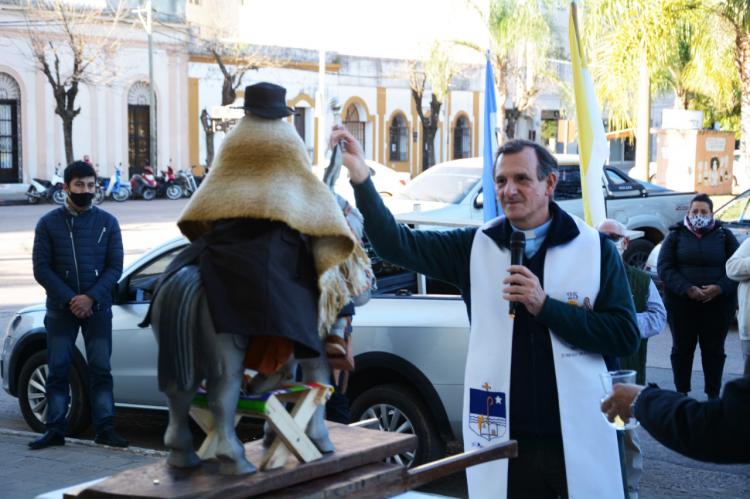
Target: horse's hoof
(240, 467)
(323, 444)
(181, 459)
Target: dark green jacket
(610, 329)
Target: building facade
(112, 127)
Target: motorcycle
(49, 190)
(168, 186)
(112, 187)
(144, 185)
(186, 180)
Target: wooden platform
(355, 448)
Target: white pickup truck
(450, 194)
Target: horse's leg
(317, 370)
(224, 379)
(178, 438)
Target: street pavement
(26, 473)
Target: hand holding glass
(609, 379)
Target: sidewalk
(26, 473)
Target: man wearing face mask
(699, 297)
(651, 317)
(78, 258)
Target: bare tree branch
(71, 48)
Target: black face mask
(81, 199)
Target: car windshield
(736, 210)
(445, 184)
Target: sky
(378, 28)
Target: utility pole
(147, 25)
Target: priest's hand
(523, 286)
(352, 156)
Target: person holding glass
(699, 297)
(715, 431)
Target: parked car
(13, 193)
(410, 352)
(451, 194)
(735, 215)
(387, 181)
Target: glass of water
(609, 379)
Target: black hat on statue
(266, 100)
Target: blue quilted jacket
(77, 255)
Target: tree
(209, 131)
(737, 15)
(220, 37)
(75, 46)
(439, 70)
(520, 45)
(639, 47)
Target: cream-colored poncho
(262, 171)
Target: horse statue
(190, 350)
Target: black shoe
(111, 438)
(49, 439)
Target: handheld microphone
(517, 245)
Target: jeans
(632, 462)
(62, 330)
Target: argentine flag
(490, 145)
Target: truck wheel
(32, 395)
(399, 408)
(637, 253)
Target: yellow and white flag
(593, 147)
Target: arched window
(399, 142)
(10, 130)
(462, 139)
(354, 125)
(139, 127)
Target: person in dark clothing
(716, 430)
(477, 262)
(699, 297)
(77, 258)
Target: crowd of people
(542, 363)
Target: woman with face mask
(699, 297)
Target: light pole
(146, 23)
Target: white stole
(572, 275)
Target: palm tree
(520, 45)
(737, 14)
(642, 46)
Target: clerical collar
(535, 233)
(534, 237)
